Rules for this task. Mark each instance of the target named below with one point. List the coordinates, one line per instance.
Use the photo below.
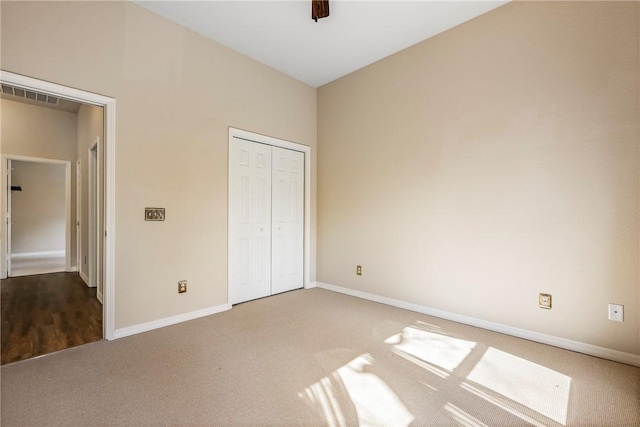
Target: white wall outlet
(616, 312)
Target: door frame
(92, 215)
(6, 213)
(109, 211)
(79, 218)
(5, 268)
(275, 142)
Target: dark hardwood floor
(46, 313)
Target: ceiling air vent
(29, 94)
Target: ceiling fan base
(319, 9)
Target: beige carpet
(313, 357)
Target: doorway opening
(38, 217)
(104, 252)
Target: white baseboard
(99, 297)
(49, 254)
(311, 285)
(167, 321)
(72, 269)
(580, 347)
(84, 278)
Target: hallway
(45, 313)
(37, 264)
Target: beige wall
(177, 93)
(38, 211)
(488, 164)
(35, 131)
(90, 130)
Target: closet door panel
(287, 244)
(249, 220)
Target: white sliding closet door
(266, 220)
(287, 210)
(249, 220)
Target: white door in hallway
(249, 220)
(287, 209)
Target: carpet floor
(314, 357)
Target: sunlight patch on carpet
(461, 417)
(502, 404)
(438, 349)
(534, 386)
(374, 402)
(323, 396)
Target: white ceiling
(282, 34)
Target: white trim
(7, 180)
(168, 321)
(84, 278)
(93, 228)
(99, 219)
(67, 207)
(307, 191)
(37, 254)
(109, 106)
(311, 285)
(48, 88)
(78, 223)
(67, 210)
(109, 266)
(580, 347)
(36, 159)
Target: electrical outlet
(359, 270)
(544, 300)
(182, 286)
(616, 312)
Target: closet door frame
(275, 142)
